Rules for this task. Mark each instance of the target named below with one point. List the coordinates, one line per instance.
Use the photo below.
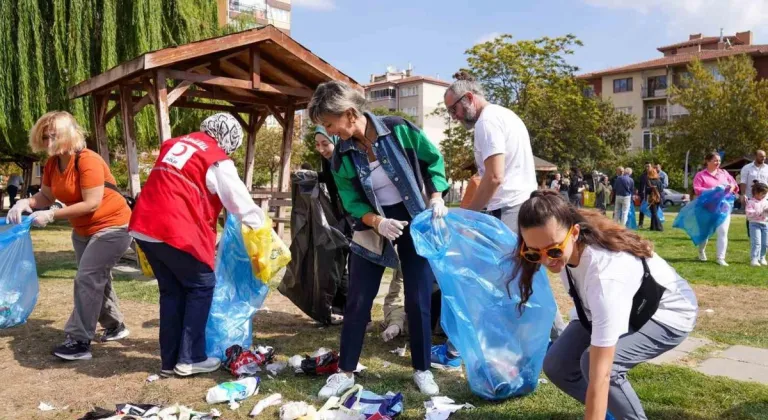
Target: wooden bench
(280, 200)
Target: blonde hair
(69, 137)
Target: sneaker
(442, 360)
(336, 385)
(114, 334)
(167, 373)
(426, 382)
(755, 262)
(702, 255)
(206, 366)
(763, 261)
(722, 262)
(73, 350)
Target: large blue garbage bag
(705, 214)
(631, 219)
(471, 255)
(237, 296)
(646, 209)
(18, 273)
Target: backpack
(128, 199)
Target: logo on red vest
(179, 155)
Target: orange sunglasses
(554, 252)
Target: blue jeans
(758, 238)
(186, 292)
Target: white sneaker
(722, 262)
(702, 255)
(211, 364)
(337, 384)
(755, 263)
(426, 382)
(763, 261)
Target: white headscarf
(225, 129)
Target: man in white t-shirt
(751, 172)
(503, 152)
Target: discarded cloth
(324, 364)
(297, 409)
(502, 349)
(370, 404)
(440, 408)
(702, 216)
(274, 399)
(232, 391)
(241, 362)
(18, 273)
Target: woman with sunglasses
(632, 305)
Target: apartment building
(417, 96)
(640, 89)
(264, 12)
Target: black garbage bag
(319, 248)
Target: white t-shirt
(751, 173)
(606, 283)
(501, 131)
(385, 191)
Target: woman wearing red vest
(174, 222)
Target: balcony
(653, 122)
(654, 93)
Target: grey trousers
(567, 363)
(95, 300)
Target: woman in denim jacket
(387, 172)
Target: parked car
(675, 198)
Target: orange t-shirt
(66, 187)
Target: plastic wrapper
(645, 208)
(18, 273)
(268, 252)
(471, 256)
(146, 269)
(702, 216)
(237, 296)
(318, 250)
(631, 218)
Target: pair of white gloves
(39, 218)
(393, 229)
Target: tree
(457, 148)
(381, 111)
(728, 113)
(533, 78)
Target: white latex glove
(42, 218)
(438, 208)
(391, 228)
(18, 209)
(391, 332)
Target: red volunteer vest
(175, 205)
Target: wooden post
(129, 136)
(255, 67)
(255, 121)
(161, 107)
(100, 103)
(284, 180)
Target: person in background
(654, 197)
(612, 182)
(555, 185)
(632, 305)
(174, 223)
(565, 185)
(623, 187)
(664, 178)
(387, 172)
(755, 171)
(13, 187)
(99, 216)
(757, 215)
(708, 178)
(642, 185)
(576, 189)
(602, 194)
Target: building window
(279, 15)
(651, 114)
(409, 91)
(388, 93)
(716, 74)
(412, 111)
(625, 109)
(622, 85)
(650, 140)
(248, 6)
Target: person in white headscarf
(174, 223)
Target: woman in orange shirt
(99, 214)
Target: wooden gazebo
(258, 72)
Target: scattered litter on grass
(153, 378)
(45, 407)
(440, 408)
(543, 381)
(400, 351)
(274, 399)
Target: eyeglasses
(452, 108)
(51, 137)
(554, 252)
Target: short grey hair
(465, 83)
(627, 171)
(335, 98)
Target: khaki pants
(95, 300)
(394, 302)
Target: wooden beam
(129, 136)
(141, 103)
(184, 103)
(231, 97)
(108, 77)
(112, 112)
(277, 116)
(147, 85)
(286, 90)
(273, 70)
(161, 107)
(178, 91)
(100, 103)
(255, 67)
(192, 50)
(284, 180)
(250, 149)
(242, 122)
(207, 79)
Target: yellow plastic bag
(146, 269)
(589, 199)
(267, 251)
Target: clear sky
(361, 37)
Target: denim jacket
(413, 164)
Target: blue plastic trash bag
(631, 219)
(646, 209)
(237, 296)
(471, 255)
(18, 273)
(705, 214)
